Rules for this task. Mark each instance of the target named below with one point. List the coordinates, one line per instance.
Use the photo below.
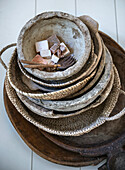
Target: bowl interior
(66, 30)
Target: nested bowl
(69, 126)
(37, 109)
(84, 99)
(15, 78)
(91, 64)
(68, 28)
(95, 79)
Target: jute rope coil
(37, 109)
(75, 125)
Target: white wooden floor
(14, 153)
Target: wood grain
(41, 145)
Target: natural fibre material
(71, 126)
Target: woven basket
(75, 125)
(85, 99)
(51, 114)
(85, 71)
(68, 28)
(95, 79)
(14, 77)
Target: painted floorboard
(14, 153)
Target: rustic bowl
(90, 65)
(95, 79)
(85, 99)
(70, 126)
(37, 109)
(68, 28)
(14, 75)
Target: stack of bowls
(69, 102)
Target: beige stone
(55, 59)
(45, 53)
(66, 52)
(42, 45)
(53, 40)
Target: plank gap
(75, 7)
(35, 7)
(116, 21)
(31, 160)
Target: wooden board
(43, 146)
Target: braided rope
(1, 52)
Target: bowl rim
(87, 98)
(13, 73)
(50, 113)
(69, 71)
(65, 83)
(80, 131)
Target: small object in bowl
(38, 59)
(54, 58)
(45, 53)
(66, 62)
(44, 61)
(42, 66)
(53, 40)
(66, 52)
(62, 48)
(59, 53)
(54, 48)
(42, 45)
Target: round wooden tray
(43, 146)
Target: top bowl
(70, 30)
